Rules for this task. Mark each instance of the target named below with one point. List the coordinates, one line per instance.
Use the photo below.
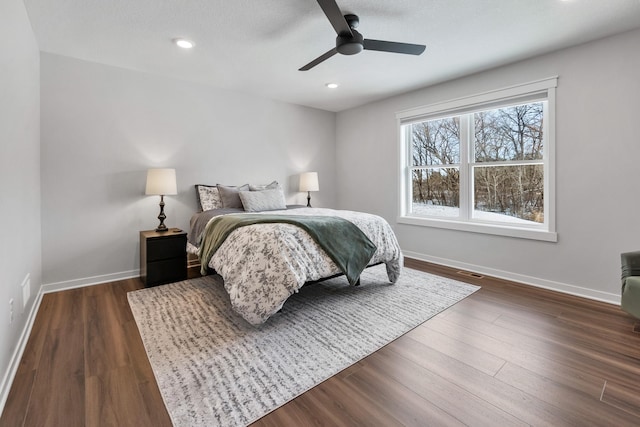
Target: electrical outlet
(11, 311)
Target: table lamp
(161, 182)
(309, 183)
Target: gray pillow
(230, 195)
(273, 186)
(265, 200)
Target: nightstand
(163, 256)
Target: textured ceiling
(257, 46)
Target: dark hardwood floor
(507, 355)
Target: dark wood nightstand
(163, 256)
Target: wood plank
(20, 393)
(521, 356)
(18, 399)
(587, 347)
(486, 387)
(542, 343)
(120, 290)
(105, 345)
(113, 398)
(476, 358)
(473, 310)
(39, 331)
(289, 414)
(451, 398)
(305, 410)
(340, 401)
(58, 393)
(578, 405)
(558, 329)
(332, 403)
(401, 402)
(67, 308)
(621, 397)
(153, 404)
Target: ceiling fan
(350, 42)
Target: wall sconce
(309, 183)
(161, 182)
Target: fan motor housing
(348, 45)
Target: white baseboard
(16, 357)
(521, 278)
(88, 281)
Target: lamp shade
(309, 181)
(161, 182)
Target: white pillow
(265, 200)
(261, 187)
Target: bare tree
(436, 143)
(511, 134)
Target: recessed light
(183, 43)
(332, 85)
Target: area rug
(214, 368)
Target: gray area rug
(213, 368)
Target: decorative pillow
(230, 195)
(273, 186)
(208, 197)
(265, 200)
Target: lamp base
(309, 199)
(162, 216)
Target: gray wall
(102, 127)
(597, 171)
(19, 174)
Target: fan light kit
(350, 42)
(183, 43)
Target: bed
(264, 264)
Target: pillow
(229, 195)
(208, 197)
(273, 186)
(265, 200)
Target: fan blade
(331, 9)
(394, 47)
(319, 59)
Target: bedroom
(78, 137)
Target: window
(482, 163)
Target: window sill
(473, 227)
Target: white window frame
(540, 90)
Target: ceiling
(257, 46)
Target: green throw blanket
(343, 242)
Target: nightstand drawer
(168, 247)
(167, 271)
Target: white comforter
(263, 264)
